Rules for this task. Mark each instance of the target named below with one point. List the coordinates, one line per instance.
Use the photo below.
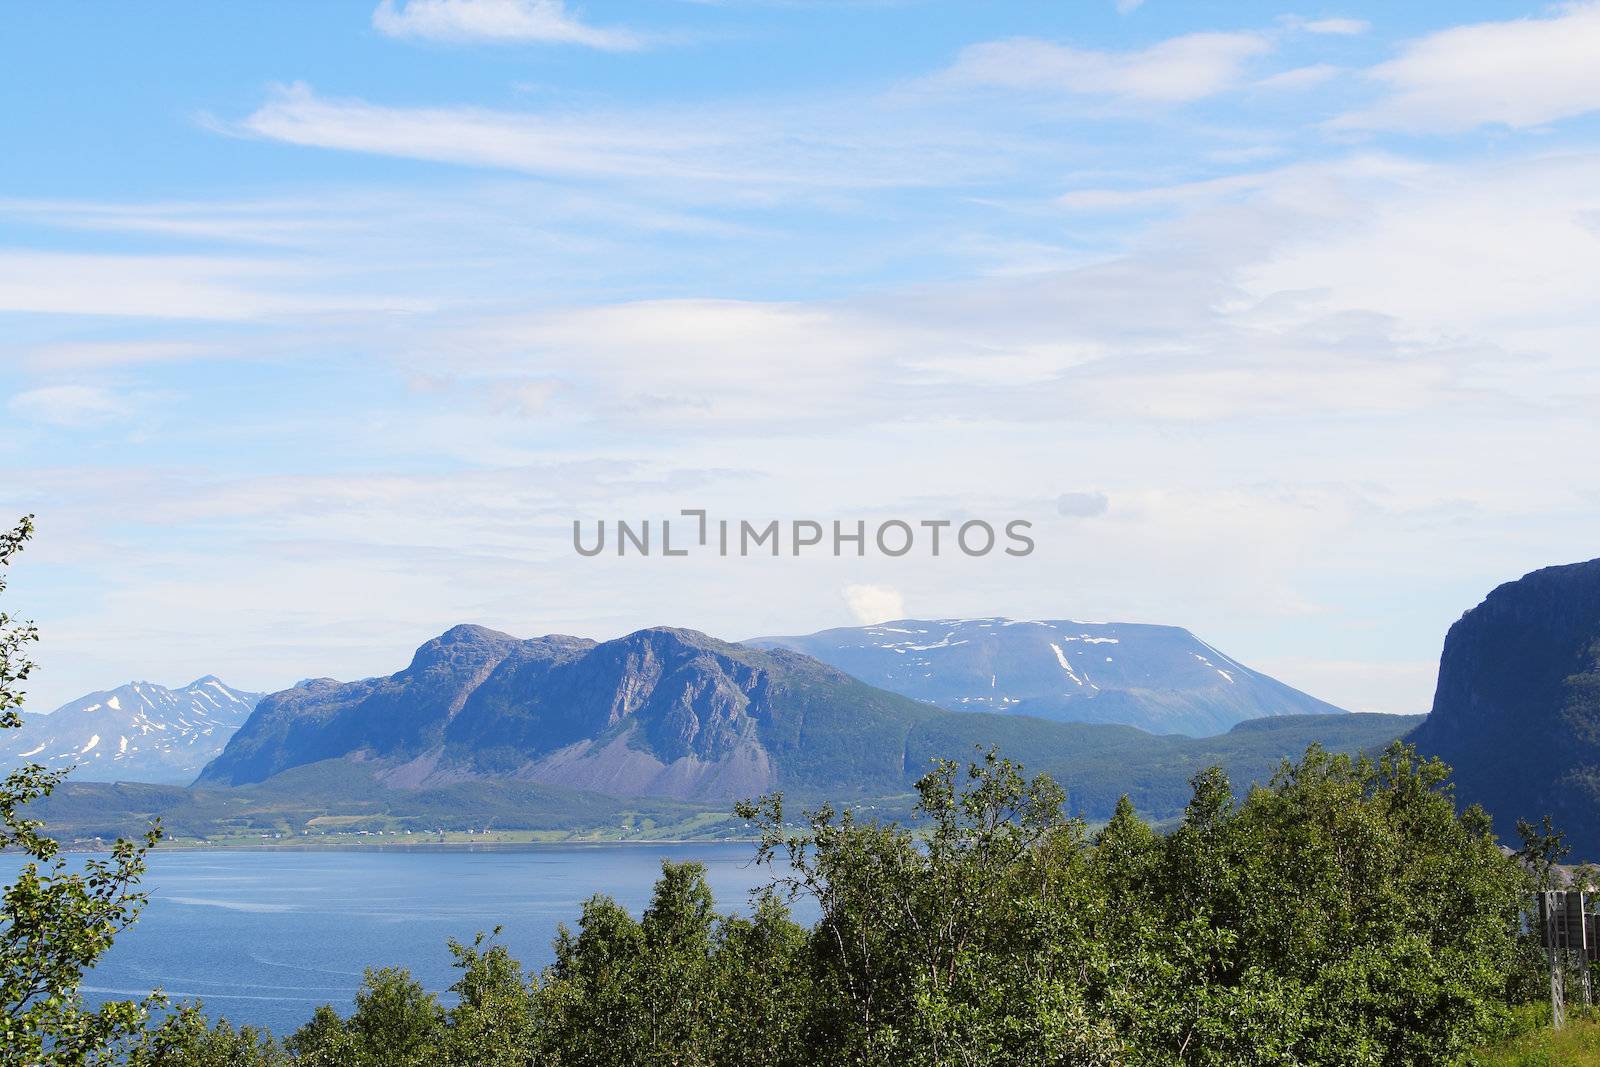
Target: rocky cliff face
(1517, 709)
(661, 712)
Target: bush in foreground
(1344, 914)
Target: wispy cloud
(170, 287)
(1174, 71)
(75, 355)
(1300, 78)
(1188, 370)
(866, 144)
(1520, 73)
(69, 406)
(1338, 27)
(497, 22)
(528, 142)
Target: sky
(321, 323)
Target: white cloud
(81, 354)
(169, 287)
(523, 397)
(496, 21)
(1500, 253)
(526, 142)
(1341, 27)
(871, 604)
(1128, 7)
(855, 147)
(1176, 70)
(1300, 78)
(69, 406)
(1520, 73)
(709, 361)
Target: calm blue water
(264, 937)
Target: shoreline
(409, 846)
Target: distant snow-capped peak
(136, 732)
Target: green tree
(761, 992)
(589, 1000)
(185, 1038)
(323, 1041)
(683, 985)
(57, 920)
(963, 945)
(1343, 914)
(492, 1024)
(1543, 849)
(396, 1023)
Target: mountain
(1517, 708)
(139, 732)
(674, 714)
(661, 712)
(1159, 678)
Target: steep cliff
(1517, 709)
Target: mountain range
(661, 712)
(139, 732)
(676, 715)
(657, 731)
(1162, 679)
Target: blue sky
(320, 323)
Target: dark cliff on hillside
(1517, 710)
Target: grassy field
(1578, 1045)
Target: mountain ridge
(674, 714)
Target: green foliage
(1342, 914)
(56, 921)
(1543, 848)
(1533, 1044)
(681, 986)
(396, 1023)
(185, 1038)
(492, 1024)
(964, 946)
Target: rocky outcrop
(1517, 709)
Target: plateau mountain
(1162, 679)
